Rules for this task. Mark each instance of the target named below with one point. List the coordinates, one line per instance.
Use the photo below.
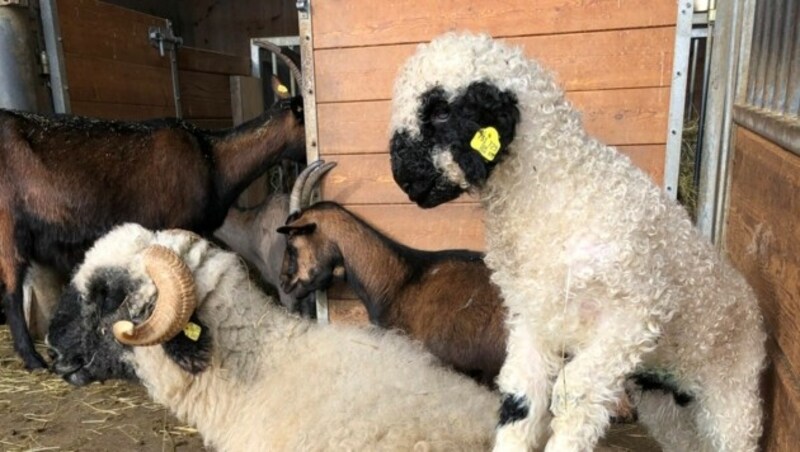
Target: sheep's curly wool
(593, 260)
(272, 381)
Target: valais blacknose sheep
(602, 274)
(180, 315)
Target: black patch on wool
(192, 356)
(83, 346)
(515, 407)
(654, 381)
(452, 125)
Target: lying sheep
(593, 260)
(180, 315)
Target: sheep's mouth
(73, 373)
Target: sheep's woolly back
(587, 251)
(279, 382)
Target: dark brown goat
(65, 181)
(443, 298)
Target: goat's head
(289, 109)
(135, 288)
(312, 260)
(454, 114)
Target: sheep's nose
(416, 189)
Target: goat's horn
(295, 198)
(313, 180)
(283, 54)
(174, 306)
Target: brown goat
(442, 298)
(65, 181)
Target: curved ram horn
(284, 55)
(175, 303)
(294, 199)
(312, 181)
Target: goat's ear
(280, 90)
(191, 348)
(303, 229)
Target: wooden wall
(614, 59)
(113, 72)
(762, 237)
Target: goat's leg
(525, 383)
(591, 384)
(12, 272)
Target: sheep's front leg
(591, 384)
(525, 383)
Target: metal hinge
(164, 40)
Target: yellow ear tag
(192, 331)
(282, 89)
(487, 142)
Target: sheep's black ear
(292, 231)
(191, 348)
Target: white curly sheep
(249, 375)
(602, 274)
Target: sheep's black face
(82, 345)
(459, 143)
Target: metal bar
(701, 121)
(763, 56)
(55, 56)
(677, 98)
(304, 17)
(781, 79)
(771, 73)
(725, 68)
(792, 106)
(255, 59)
(758, 32)
(740, 41)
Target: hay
(41, 409)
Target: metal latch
(302, 5)
(164, 40)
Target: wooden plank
(95, 80)
(761, 235)
(205, 95)
(127, 112)
(628, 58)
(202, 60)
(781, 394)
(617, 117)
(350, 23)
(447, 226)
(367, 178)
(96, 29)
(648, 157)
